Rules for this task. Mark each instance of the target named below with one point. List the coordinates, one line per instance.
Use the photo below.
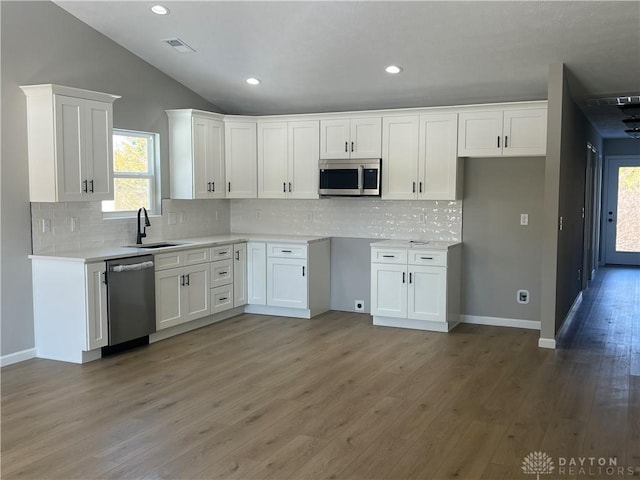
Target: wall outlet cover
(522, 296)
(359, 306)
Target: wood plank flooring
(334, 397)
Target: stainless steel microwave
(350, 177)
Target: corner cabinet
(288, 154)
(70, 309)
(419, 156)
(241, 168)
(196, 154)
(70, 144)
(415, 288)
(509, 132)
(350, 138)
(291, 280)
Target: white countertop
(109, 253)
(417, 245)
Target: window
(135, 174)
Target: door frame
(605, 199)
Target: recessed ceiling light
(159, 10)
(253, 81)
(393, 69)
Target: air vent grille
(179, 45)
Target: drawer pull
(222, 299)
(410, 277)
(426, 258)
(238, 255)
(404, 277)
(388, 256)
(224, 252)
(182, 280)
(222, 273)
(303, 271)
(285, 251)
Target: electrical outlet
(359, 306)
(524, 219)
(522, 296)
(182, 217)
(45, 225)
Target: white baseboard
(16, 357)
(547, 343)
(501, 322)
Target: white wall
(41, 43)
(350, 217)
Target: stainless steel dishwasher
(131, 301)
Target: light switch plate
(524, 219)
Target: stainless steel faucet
(142, 234)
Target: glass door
(622, 211)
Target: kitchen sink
(149, 246)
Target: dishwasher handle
(132, 267)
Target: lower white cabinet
(182, 293)
(70, 309)
(289, 279)
(228, 277)
(415, 288)
(240, 274)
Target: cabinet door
(525, 132)
(169, 298)
(69, 133)
(96, 295)
(257, 273)
(197, 292)
(389, 290)
(98, 150)
(239, 274)
(400, 157)
(439, 164)
(200, 139)
(287, 284)
(215, 159)
(240, 160)
(480, 134)
(334, 138)
(366, 138)
(304, 154)
(427, 293)
(272, 160)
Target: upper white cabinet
(503, 132)
(70, 144)
(288, 154)
(196, 154)
(419, 156)
(351, 138)
(240, 159)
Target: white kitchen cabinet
(196, 154)
(415, 287)
(351, 138)
(241, 168)
(288, 154)
(70, 144)
(287, 284)
(503, 132)
(256, 273)
(419, 155)
(240, 297)
(70, 309)
(289, 279)
(182, 292)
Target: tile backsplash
(72, 226)
(350, 217)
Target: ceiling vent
(179, 45)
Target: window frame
(153, 152)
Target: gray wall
(41, 43)
(500, 256)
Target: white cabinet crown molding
(51, 89)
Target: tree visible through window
(134, 172)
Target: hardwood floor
(272, 398)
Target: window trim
(154, 175)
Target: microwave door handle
(361, 179)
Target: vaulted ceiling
(330, 56)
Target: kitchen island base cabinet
(70, 309)
(289, 280)
(415, 288)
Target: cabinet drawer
(220, 253)
(428, 258)
(181, 258)
(221, 272)
(286, 251)
(221, 298)
(389, 255)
